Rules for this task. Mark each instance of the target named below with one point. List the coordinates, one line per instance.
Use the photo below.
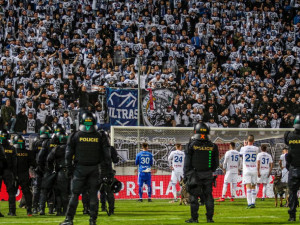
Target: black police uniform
(106, 178)
(47, 192)
(88, 151)
(201, 160)
(85, 199)
(37, 180)
(3, 166)
(292, 139)
(24, 162)
(56, 162)
(9, 176)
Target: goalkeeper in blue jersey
(144, 160)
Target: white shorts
(176, 176)
(230, 177)
(250, 178)
(285, 175)
(263, 179)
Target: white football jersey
(283, 162)
(176, 159)
(265, 160)
(249, 154)
(231, 161)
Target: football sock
(233, 188)
(174, 191)
(253, 196)
(264, 191)
(249, 197)
(224, 189)
(257, 188)
(149, 190)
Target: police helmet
(297, 122)
(4, 136)
(45, 132)
(59, 128)
(201, 131)
(88, 122)
(62, 137)
(116, 186)
(19, 142)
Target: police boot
(93, 222)
(42, 211)
(111, 212)
(67, 221)
(59, 212)
(29, 212)
(51, 208)
(192, 221)
(86, 211)
(210, 220)
(35, 211)
(1, 215)
(12, 212)
(292, 217)
(103, 208)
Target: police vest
(201, 155)
(88, 148)
(293, 140)
(23, 161)
(10, 156)
(60, 152)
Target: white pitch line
(111, 219)
(249, 217)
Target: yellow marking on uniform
(8, 151)
(294, 141)
(201, 148)
(53, 145)
(86, 139)
(22, 154)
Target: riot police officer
(292, 139)
(47, 192)
(44, 134)
(56, 163)
(3, 162)
(88, 148)
(24, 162)
(9, 173)
(107, 179)
(201, 160)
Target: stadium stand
(229, 63)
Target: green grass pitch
(162, 212)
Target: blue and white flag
(122, 106)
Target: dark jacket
(21, 123)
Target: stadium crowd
(230, 63)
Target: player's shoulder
(260, 154)
(243, 149)
(228, 152)
(268, 154)
(178, 152)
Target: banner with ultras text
(122, 106)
